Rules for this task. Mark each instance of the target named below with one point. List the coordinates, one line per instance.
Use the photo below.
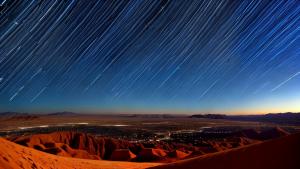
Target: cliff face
(81, 145)
(76, 144)
(122, 155)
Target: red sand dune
(14, 156)
(282, 153)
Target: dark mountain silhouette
(62, 114)
(278, 118)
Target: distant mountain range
(65, 113)
(278, 118)
(17, 115)
(209, 116)
(31, 116)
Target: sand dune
(282, 153)
(14, 156)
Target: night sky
(225, 56)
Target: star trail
(150, 55)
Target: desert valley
(70, 140)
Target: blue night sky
(224, 56)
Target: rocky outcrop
(265, 134)
(122, 155)
(151, 154)
(76, 144)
